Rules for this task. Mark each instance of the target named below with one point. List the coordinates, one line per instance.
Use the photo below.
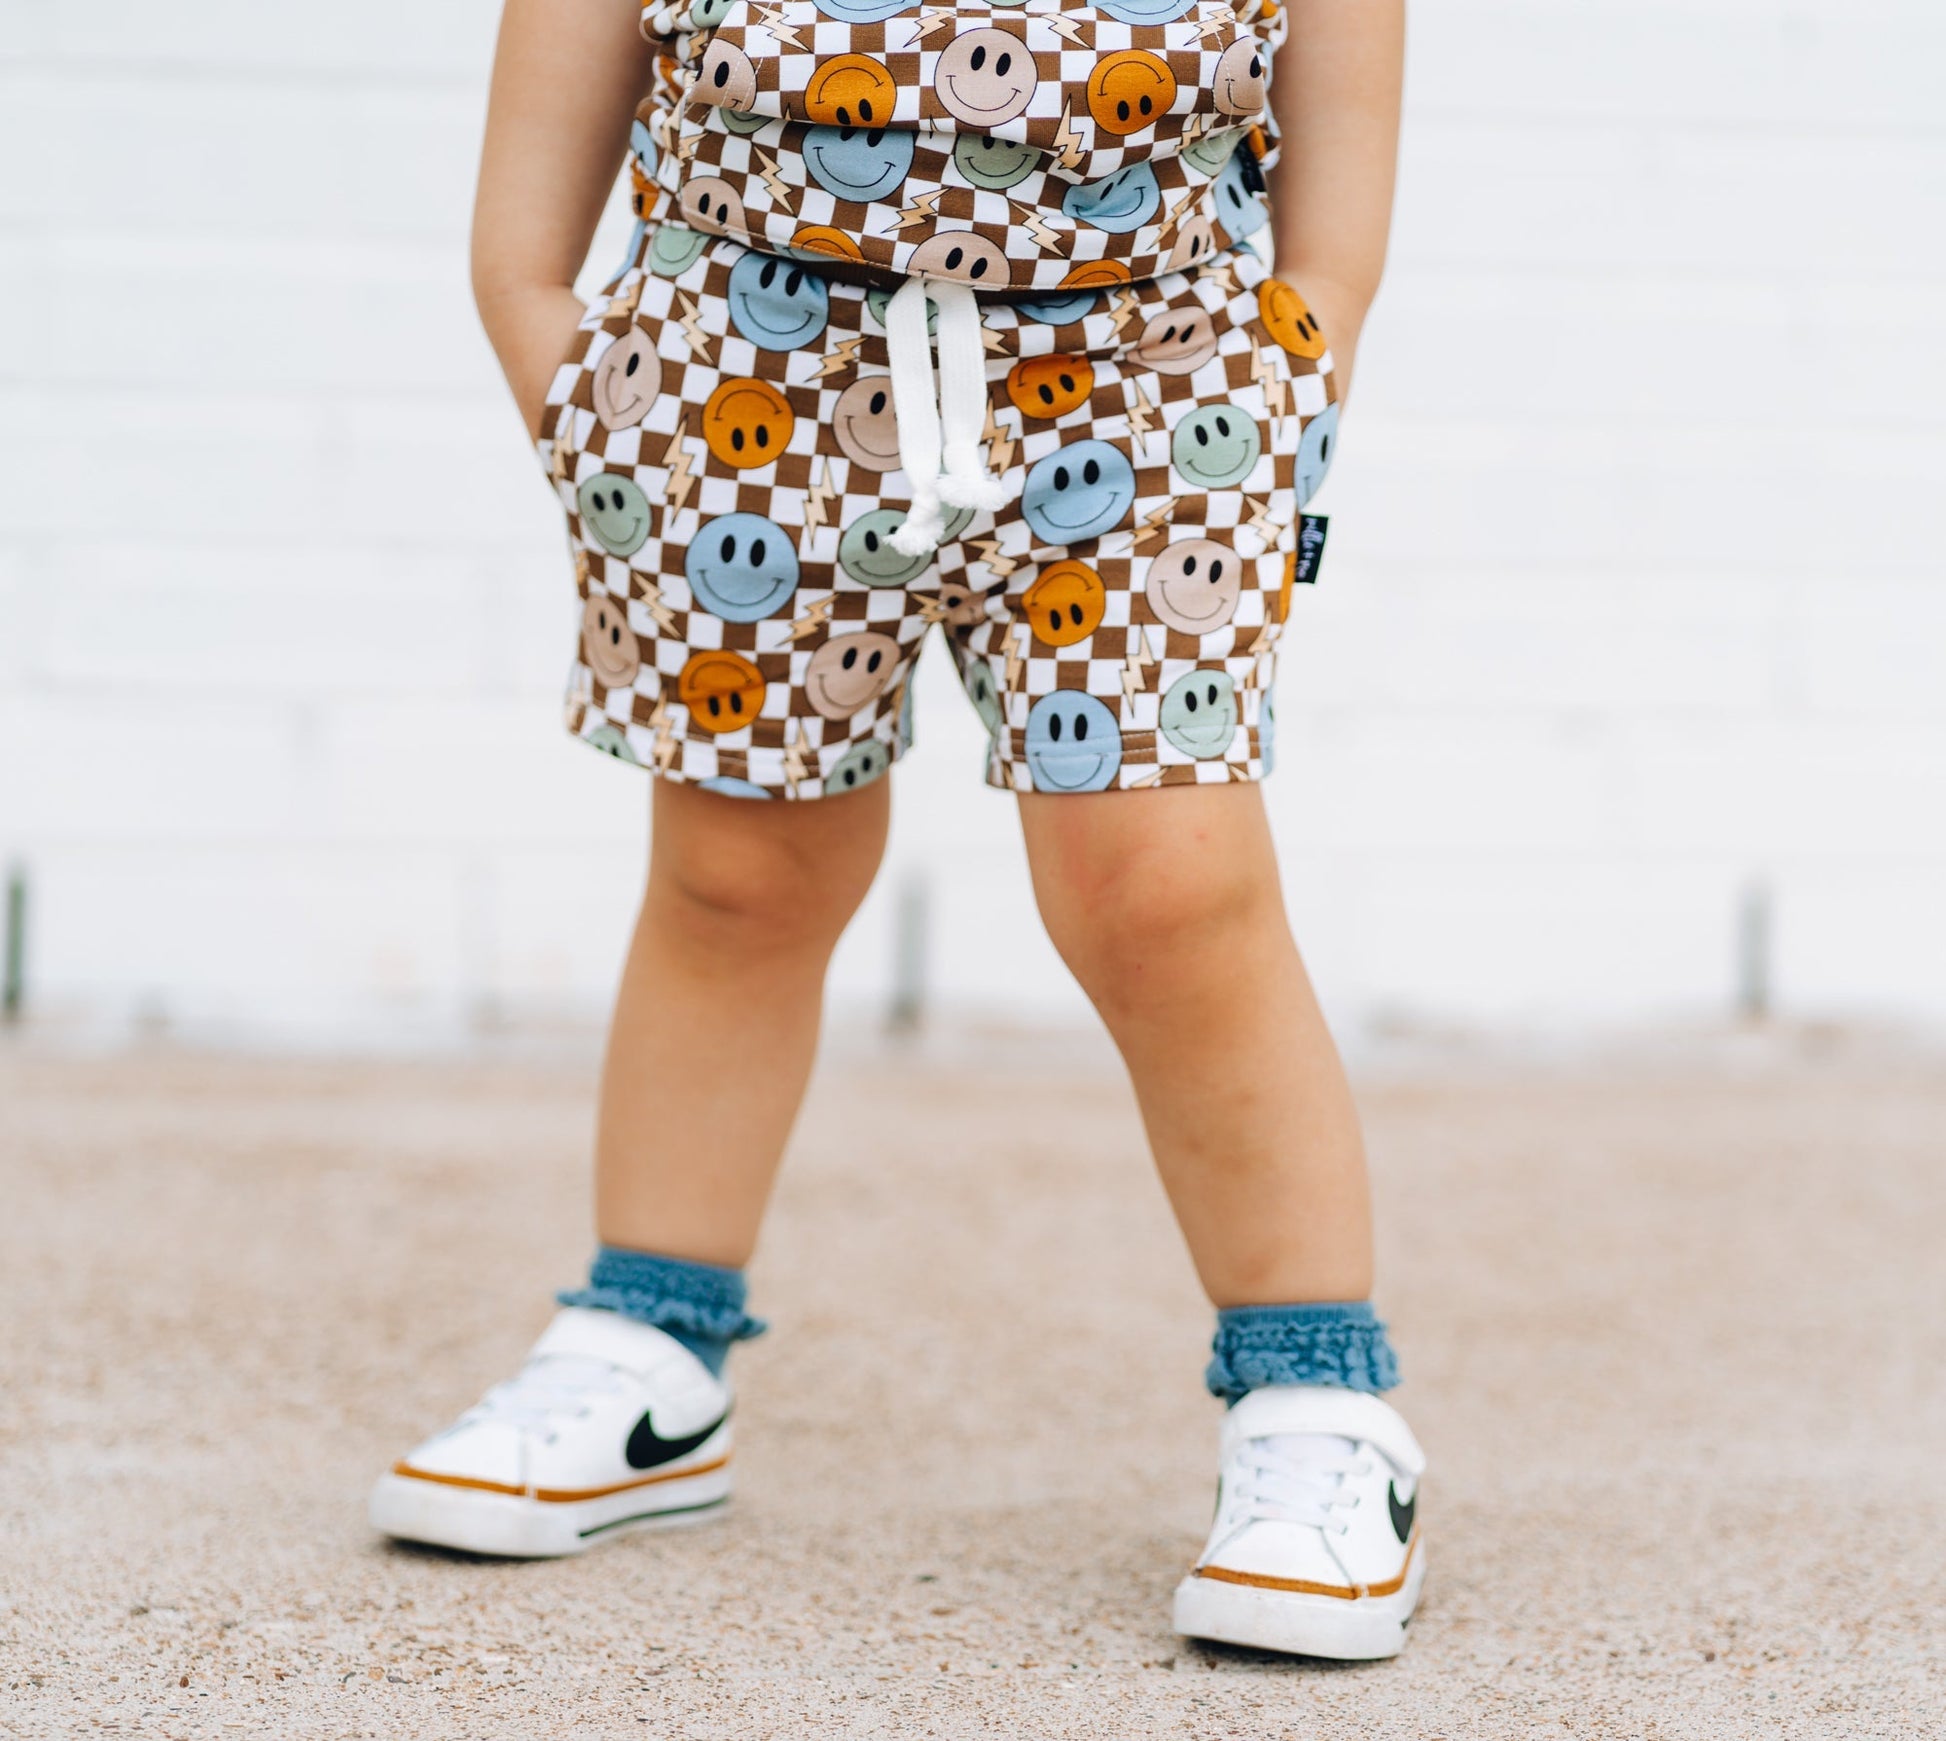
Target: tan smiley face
(712, 205)
(1195, 241)
(850, 670)
(1177, 341)
(608, 644)
(1239, 83)
(1194, 585)
(985, 78)
(627, 379)
(866, 425)
(961, 255)
(726, 79)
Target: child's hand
(530, 332)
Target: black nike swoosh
(1401, 1514)
(648, 1449)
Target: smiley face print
(1130, 90)
(1194, 585)
(710, 204)
(1216, 446)
(1289, 320)
(726, 78)
(850, 671)
(743, 567)
(775, 304)
(1314, 453)
(961, 255)
(1074, 743)
(627, 379)
(858, 766)
(850, 90)
(1048, 387)
(608, 645)
(1239, 84)
(1078, 492)
(995, 164)
(1065, 604)
(1118, 203)
(986, 78)
(747, 423)
(858, 163)
(1199, 713)
(722, 690)
(1178, 341)
(616, 512)
(865, 425)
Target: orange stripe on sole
(1304, 1587)
(554, 1495)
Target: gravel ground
(1673, 1333)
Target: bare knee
(1166, 922)
(773, 884)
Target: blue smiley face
(1267, 730)
(642, 145)
(1199, 713)
(1081, 491)
(1240, 207)
(1074, 743)
(1314, 450)
(1216, 446)
(1117, 203)
(1059, 310)
(729, 786)
(1145, 11)
(775, 305)
(858, 163)
(862, 11)
(741, 566)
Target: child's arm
(1335, 90)
(566, 79)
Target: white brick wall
(1634, 594)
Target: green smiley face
(616, 511)
(865, 552)
(875, 300)
(1215, 446)
(674, 249)
(741, 124)
(1212, 153)
(1199, 714)
(993, 163)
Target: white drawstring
(961, 407)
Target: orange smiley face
(1130, 90)
(746, 422)
(1288, 320)
(1050, 386)
(850, 90)
(1093, 274)
(823, 239)
(722, 691)
(1066, 604)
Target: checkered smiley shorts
(724, 440)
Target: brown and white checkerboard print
(722, 438)
(1002, 145)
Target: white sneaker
(1316, 1548)
(611, 1425)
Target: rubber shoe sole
(518, 1526)
(1356, 1629)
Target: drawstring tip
(981, 490)
(919, 536)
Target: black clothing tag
(1311, 529)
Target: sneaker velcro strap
(1318, 1408)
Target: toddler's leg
(717, 1017)
(1167, 908)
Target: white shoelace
(1296, 1478)
(547, 1391)
(939, 440)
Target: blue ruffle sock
(1327, 1343)
(700, 1304)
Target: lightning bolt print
(1017, 655)
(1265, 372)
(771, 18)
(919, 212)
(932, 610)
(1126, 303)
(1068, 29)
(836, 361)
(665, 618)
(1135, 667)
(816, 618)
(773, 178)
(1142, 413)
(560, 462)
(1155, 523)
(1260, 521)
(1217, 277)
(794, 769)
(665, 735)
(818, 499)
(1000, 446)
(1067, 142)
(676, 458)
(623, 304)
(932, 18)
(1035, 225)
(691, 322)
(993, 558)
